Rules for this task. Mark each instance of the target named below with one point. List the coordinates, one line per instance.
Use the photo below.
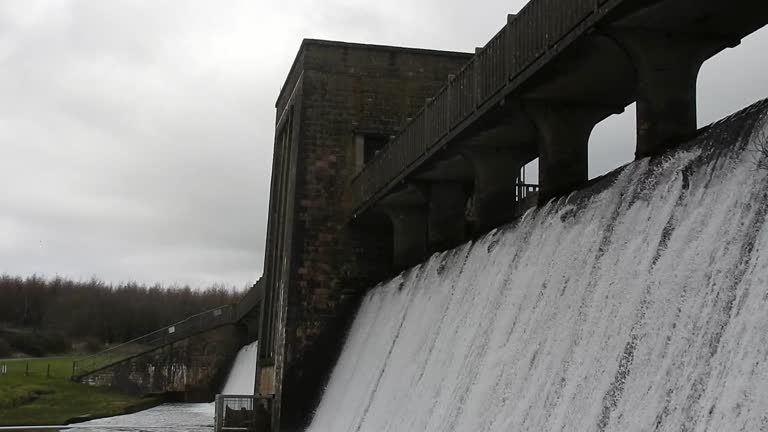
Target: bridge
(536, 90)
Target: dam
(385, 155)
(417, 279)
(643, 306)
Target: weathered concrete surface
(191, 369)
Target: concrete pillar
(409, 232)
(564, 132)
(667, 68)
(447, 205)
(496, 175)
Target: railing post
(427, 125)
(477, 78)
(449, 102)
(509, 53)
(217, 413)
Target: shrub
(38, 345)
(5, 348)
(54, 344)
(92, 345)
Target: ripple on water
(167, 417)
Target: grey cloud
(136, 136)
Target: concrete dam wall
(639, 303)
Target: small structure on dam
(340, 105)
(384, 155)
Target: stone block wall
(191, 369)
(345, 90)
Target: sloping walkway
(188, 327)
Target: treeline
(100, 311)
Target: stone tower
(340, 104)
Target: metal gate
(243, 413)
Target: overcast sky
(136, 136)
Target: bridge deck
(543, 32)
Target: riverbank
(39, 391)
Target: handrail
(539, 29)
(194, 324)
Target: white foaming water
(167, 417)
(242, 376)
(183, 417)
(639, 307)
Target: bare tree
(95, 309)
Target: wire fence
(48, 367)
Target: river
(167, 417)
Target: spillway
(242, 375)
(637, 304)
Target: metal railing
(243, 413)
(525, 190)
(190, 326)
(543, 27)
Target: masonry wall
(191, 369)
(346, 90)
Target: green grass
(39, 398)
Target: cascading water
(640, 303)
(242, 376)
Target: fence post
(26, 371)
(218, 413)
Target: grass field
(46, 395)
